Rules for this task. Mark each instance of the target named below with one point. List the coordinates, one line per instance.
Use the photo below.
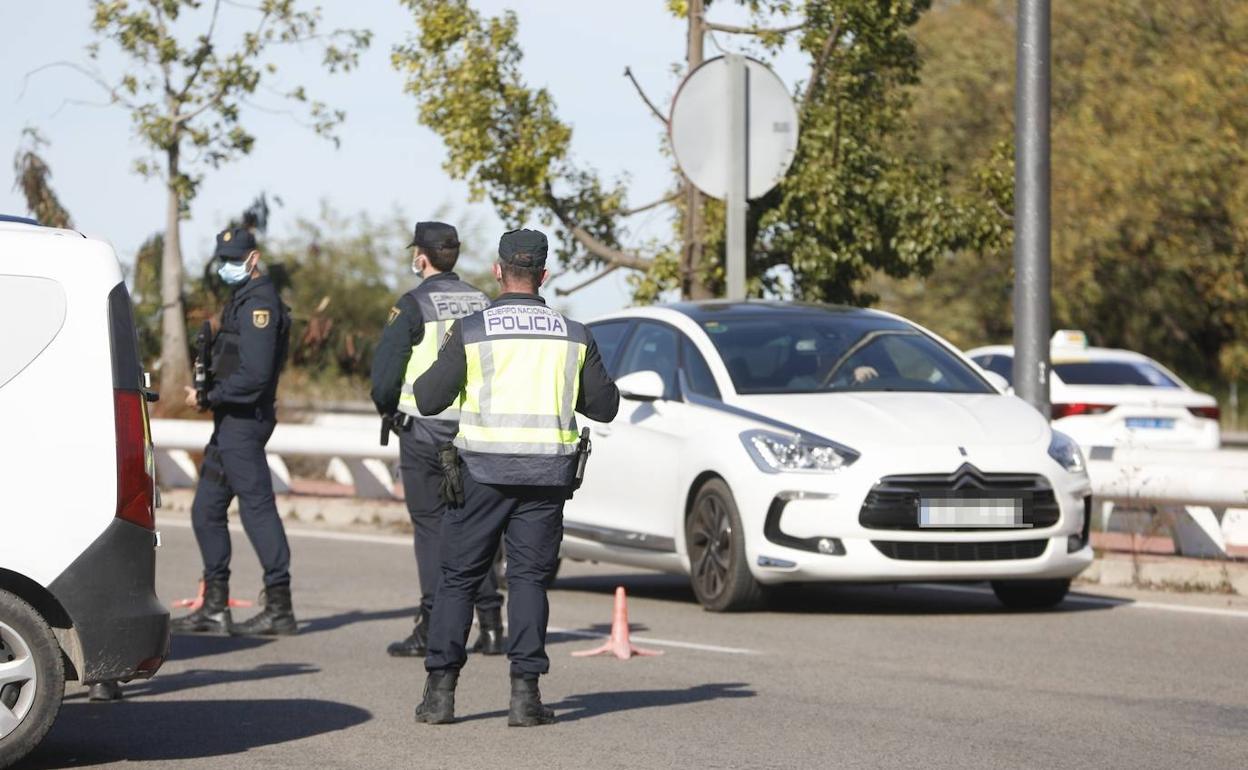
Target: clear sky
(576, 48)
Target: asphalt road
(862, 676)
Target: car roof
(1068, 355)
(709, 309)
(26, 226)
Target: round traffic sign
(699, 129)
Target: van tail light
(135, 495)
(1070, 410)
(1208, 412)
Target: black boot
(213, 616)
(490, 637)
(526, 704)
(438, 705)
(416, 645)
(276, 619)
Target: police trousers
(235, 465)
(422, 479)
(529, 521)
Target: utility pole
(1032, 277)
(692, 285)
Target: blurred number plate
(1151, 423)
(959, 512)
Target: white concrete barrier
(1206, 491)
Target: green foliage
(187, 93)
(145, 293)
(32, 175)
(856, 201)
(1150, 190)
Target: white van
(77, 496)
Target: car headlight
(1066, 452)
(775, 452)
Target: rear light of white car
(135, 501)
(1071, 410)
(136, 490)
(1208, 412)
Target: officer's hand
(192, 398)
(865, 374)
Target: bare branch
(628, 73)
(735, 30)
(588, 281)
(204, 51)
(816, 72)
(95, 77)
(594, 246)
(650, 205)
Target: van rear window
(127, 371)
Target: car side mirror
(998, 382)
(641, 386)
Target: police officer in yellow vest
(519, 370)
(409, 345)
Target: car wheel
(1030, 594)
(715, 541)
(32, 680)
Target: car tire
(30, 651)
(715, 542)
(1030, 594)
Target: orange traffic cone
(198, 601)
(618, 644)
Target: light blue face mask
(234, 273)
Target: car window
(698, 376)
(1002, 365)
(1141, 373)
(608, 335)
(652, 347)
(32, 312)
(834, 351)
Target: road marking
(349, 537)
(1104, 601)
(659, 642)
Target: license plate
(1151, 423)
(962, 512)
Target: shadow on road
(596, 704)
(90, 734)
(188, 646)
(196, 677)
(333, 622)
(835, 598)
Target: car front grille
(893, 503)
(995, 551)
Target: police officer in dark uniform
(409, 346)
(519, 371)
(249, 350)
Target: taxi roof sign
(1070, 338)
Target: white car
(1110, 397)
(762, 443)
(77, 525)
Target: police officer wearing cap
(408, 347)
(249, 350)
(519, 370)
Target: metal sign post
(1032, 280)
(738, 160)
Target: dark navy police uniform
(248, 353)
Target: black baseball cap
(434, 235)
(523, 248)
(235, 244)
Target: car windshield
(1140, 373)
(831, 351)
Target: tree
(854, 202)
(186, 95)
(32, 175)
(1150, 173)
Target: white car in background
(761, 443)
(1110, 397)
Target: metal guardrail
(1233, 438)
(1207, 491)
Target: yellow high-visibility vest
(441, 302)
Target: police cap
(235, 244)
(523, 248)
(434, 235)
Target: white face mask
(234, 273)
